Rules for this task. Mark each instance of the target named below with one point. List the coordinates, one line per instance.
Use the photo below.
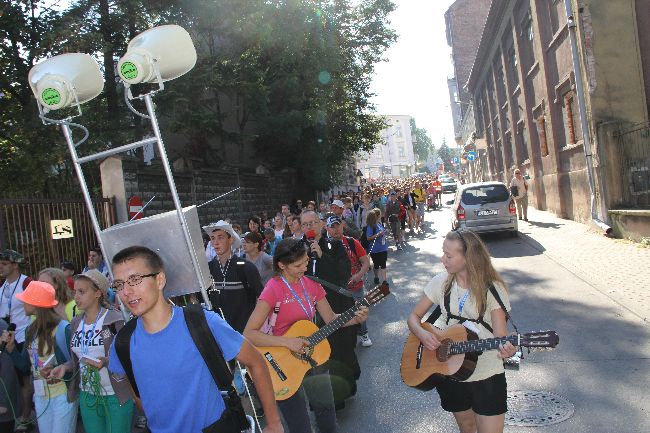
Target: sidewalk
(617, 268)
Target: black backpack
(233, 419)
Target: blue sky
(414, 79)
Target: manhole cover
(537, 408)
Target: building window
(571, 115)
(398, 129)
(402, 152)
(557, 14)
(541, 132)
(522, 143)
(514, 63)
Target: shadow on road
(545, 225)
(503, 246)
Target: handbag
(514, 191)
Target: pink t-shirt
(290, 310)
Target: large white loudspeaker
(64, 80)
(168, 48)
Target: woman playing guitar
(478, 403)
(298, 298)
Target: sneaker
(141, 422)
(399, 247)
(365, 340)
(23, 425)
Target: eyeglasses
(309, 223)
(132, 281)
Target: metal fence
(25, 226)
(635, 144)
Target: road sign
(471, 156)
(135, 206)
(455, 160)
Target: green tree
(445, 153)
(291, 77)
(423, 146)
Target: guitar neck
(333, 326)
(481, 345)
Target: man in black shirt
(237, 281)
(329, 261)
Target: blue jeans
(359, 294)
(56, 415)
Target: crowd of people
(307, 262)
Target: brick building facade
(523, 87)
(464, 21)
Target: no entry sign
(135, 208)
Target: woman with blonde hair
(105, 400)
(478, 403)
(66, 307)
(46, 345)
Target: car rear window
(485, 194)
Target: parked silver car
(484, 207)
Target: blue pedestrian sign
(471, 156)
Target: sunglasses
(462, 238)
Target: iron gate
(635, 165)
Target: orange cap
(38, 294)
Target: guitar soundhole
(442, 353)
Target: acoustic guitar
(288, 368)
(457, 354)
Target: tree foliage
(290, 78)
(423, 146)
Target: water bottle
(239, 382)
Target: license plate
(487, 212)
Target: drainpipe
(586, 146)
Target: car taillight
(512, 208)
(460, 212)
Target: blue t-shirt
(178, 393)
(379, 244)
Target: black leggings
(379, 259)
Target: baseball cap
(338, 203)
(12, 256)
(393, 193)
(333, 220)
(269, 231)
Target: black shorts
(485, 397)
(379, 259)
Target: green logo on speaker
(128, 70)
(51, 96)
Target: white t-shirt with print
(488, 363)
(8, 292)
(95, 347)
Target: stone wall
(258, 193)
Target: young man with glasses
(165, 360)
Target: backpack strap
(62, 339)
(207, 346)
(123, 350)
(480, 320)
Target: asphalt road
(601, 364)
